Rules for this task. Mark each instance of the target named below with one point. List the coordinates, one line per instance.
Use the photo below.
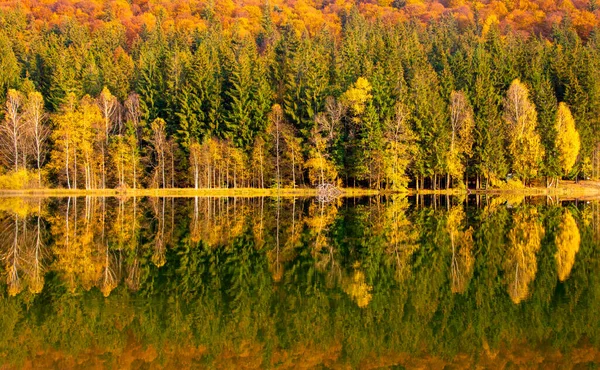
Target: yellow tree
(62, 135)
(35, 120)
(108, 105)
(237, 162)
(258, 153)
(275, 129)
(525, 146)
(88, 116)
(159, 142)
(567, 138)
(320, 168)
(122, 158)
(293, 151)
(357, 96)
(400, 145)
(461, 139)
(567, 245)
(195, 161)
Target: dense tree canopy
(386, 95)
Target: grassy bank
(187, 192)
(570, 189)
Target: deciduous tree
(524, 142)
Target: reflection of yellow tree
(401, 235)
(521, 264)
(133, 275)
(357, 288)
(461, 242)
(12, 256)
(35, 257)
(159, 255)
(320, 216)
(109, 280)
(567, 245)
(216, 221)
(291, 231)
(75, 250)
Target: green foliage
(219, 82)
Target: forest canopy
(387, 94)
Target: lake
(388, 281)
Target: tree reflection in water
(287, 282)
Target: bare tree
(35, 120)
(195, 158)
(12, 128)
(133, 113)
(275, 128)
(159, 140)
(461, 120)
(330, 120)
(108, 106)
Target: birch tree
(13, 128)
(524, 143)
(567, 139)
(108, 105)
(35, 118)
(461, 139)
(275, 129)
(195, 160)
(400, 144)
(159, 142)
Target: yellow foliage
(525, 240)
(525, 146)
(401, 235)
(22, 179)
(567, 245)
(567, 138)
(462, 250)
(320, 170)
(358, 289)
(358, 95)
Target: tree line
(423, 106)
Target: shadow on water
(418, 281)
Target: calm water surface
(267, 283)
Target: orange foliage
(304, 15)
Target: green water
(267, 283)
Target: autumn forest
(388, 94)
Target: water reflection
(283, 282)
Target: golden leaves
(567, 138)
(461, 242)
(357, 96)
(357, 288)
(525, 145)
(520, 265)
(567, 245)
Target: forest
(221, 94)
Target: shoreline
(569, 189)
